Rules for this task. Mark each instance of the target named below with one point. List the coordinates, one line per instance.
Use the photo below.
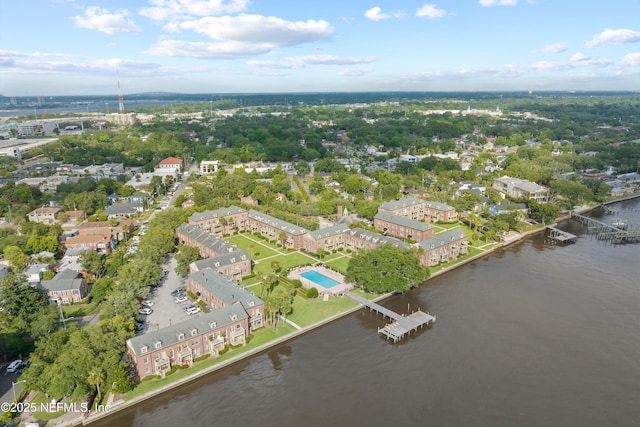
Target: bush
(223, 351)
(312, 293)
(296, 283)
(203, 357)
(171, 371)
(151, 377)
(203, 306)
(192, 295)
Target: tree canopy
(387, 268)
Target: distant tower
(120, 101)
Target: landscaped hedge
(203, 357)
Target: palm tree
(275, 266)
(96, 376)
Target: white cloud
(219, 50)
(96, 18)
(430, 11)
(332, 60)
(15, 53)
(258, 29)
(488, 3)
(631, 60)
(353, 72)
(303, 61)
(375, 14)
(163, 10)
(273, 64)
(552, 48)
(577, 57)
(609, 36)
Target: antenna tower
(120, 101)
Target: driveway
(165, 311)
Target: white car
(147, 303)
(145, 310)
(180, 298)
(192, 310)
(13, 366)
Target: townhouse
(66, 287)
(155, 352)
(217, 292)
(443, 247)
(402, 227)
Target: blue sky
(84, 47)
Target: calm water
(534, 335)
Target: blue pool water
(319, 279)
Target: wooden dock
(613, 233)
(401, 325)
(560, 236)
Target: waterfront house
(443, 247)
(521, 189)
(155, 352)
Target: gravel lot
(165, 311)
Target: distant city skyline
(80, 47)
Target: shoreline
(120, 406)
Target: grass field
(258, 249)
(339, 264)
(307, 312)
(293, 259)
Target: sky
(85, 47)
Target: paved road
(8, 383)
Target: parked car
(147, 303)
(178, 291)
(13, 366)
(145, 310)
(138, 326)
(180, 298)
(192, 309)
(24, 365)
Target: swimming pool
(319, 279)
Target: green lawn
(256, 250)
(307, 312)
(293, 259)
(340, 264)
(472, 252)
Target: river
(531, 335)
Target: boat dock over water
(401, 325)
(560, 236)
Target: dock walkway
(401, 324)
(604, 231)
(561, 236)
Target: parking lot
(166, 312)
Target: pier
(603, 231)
(401, 325)
(559, 236)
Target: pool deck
(338, 289)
